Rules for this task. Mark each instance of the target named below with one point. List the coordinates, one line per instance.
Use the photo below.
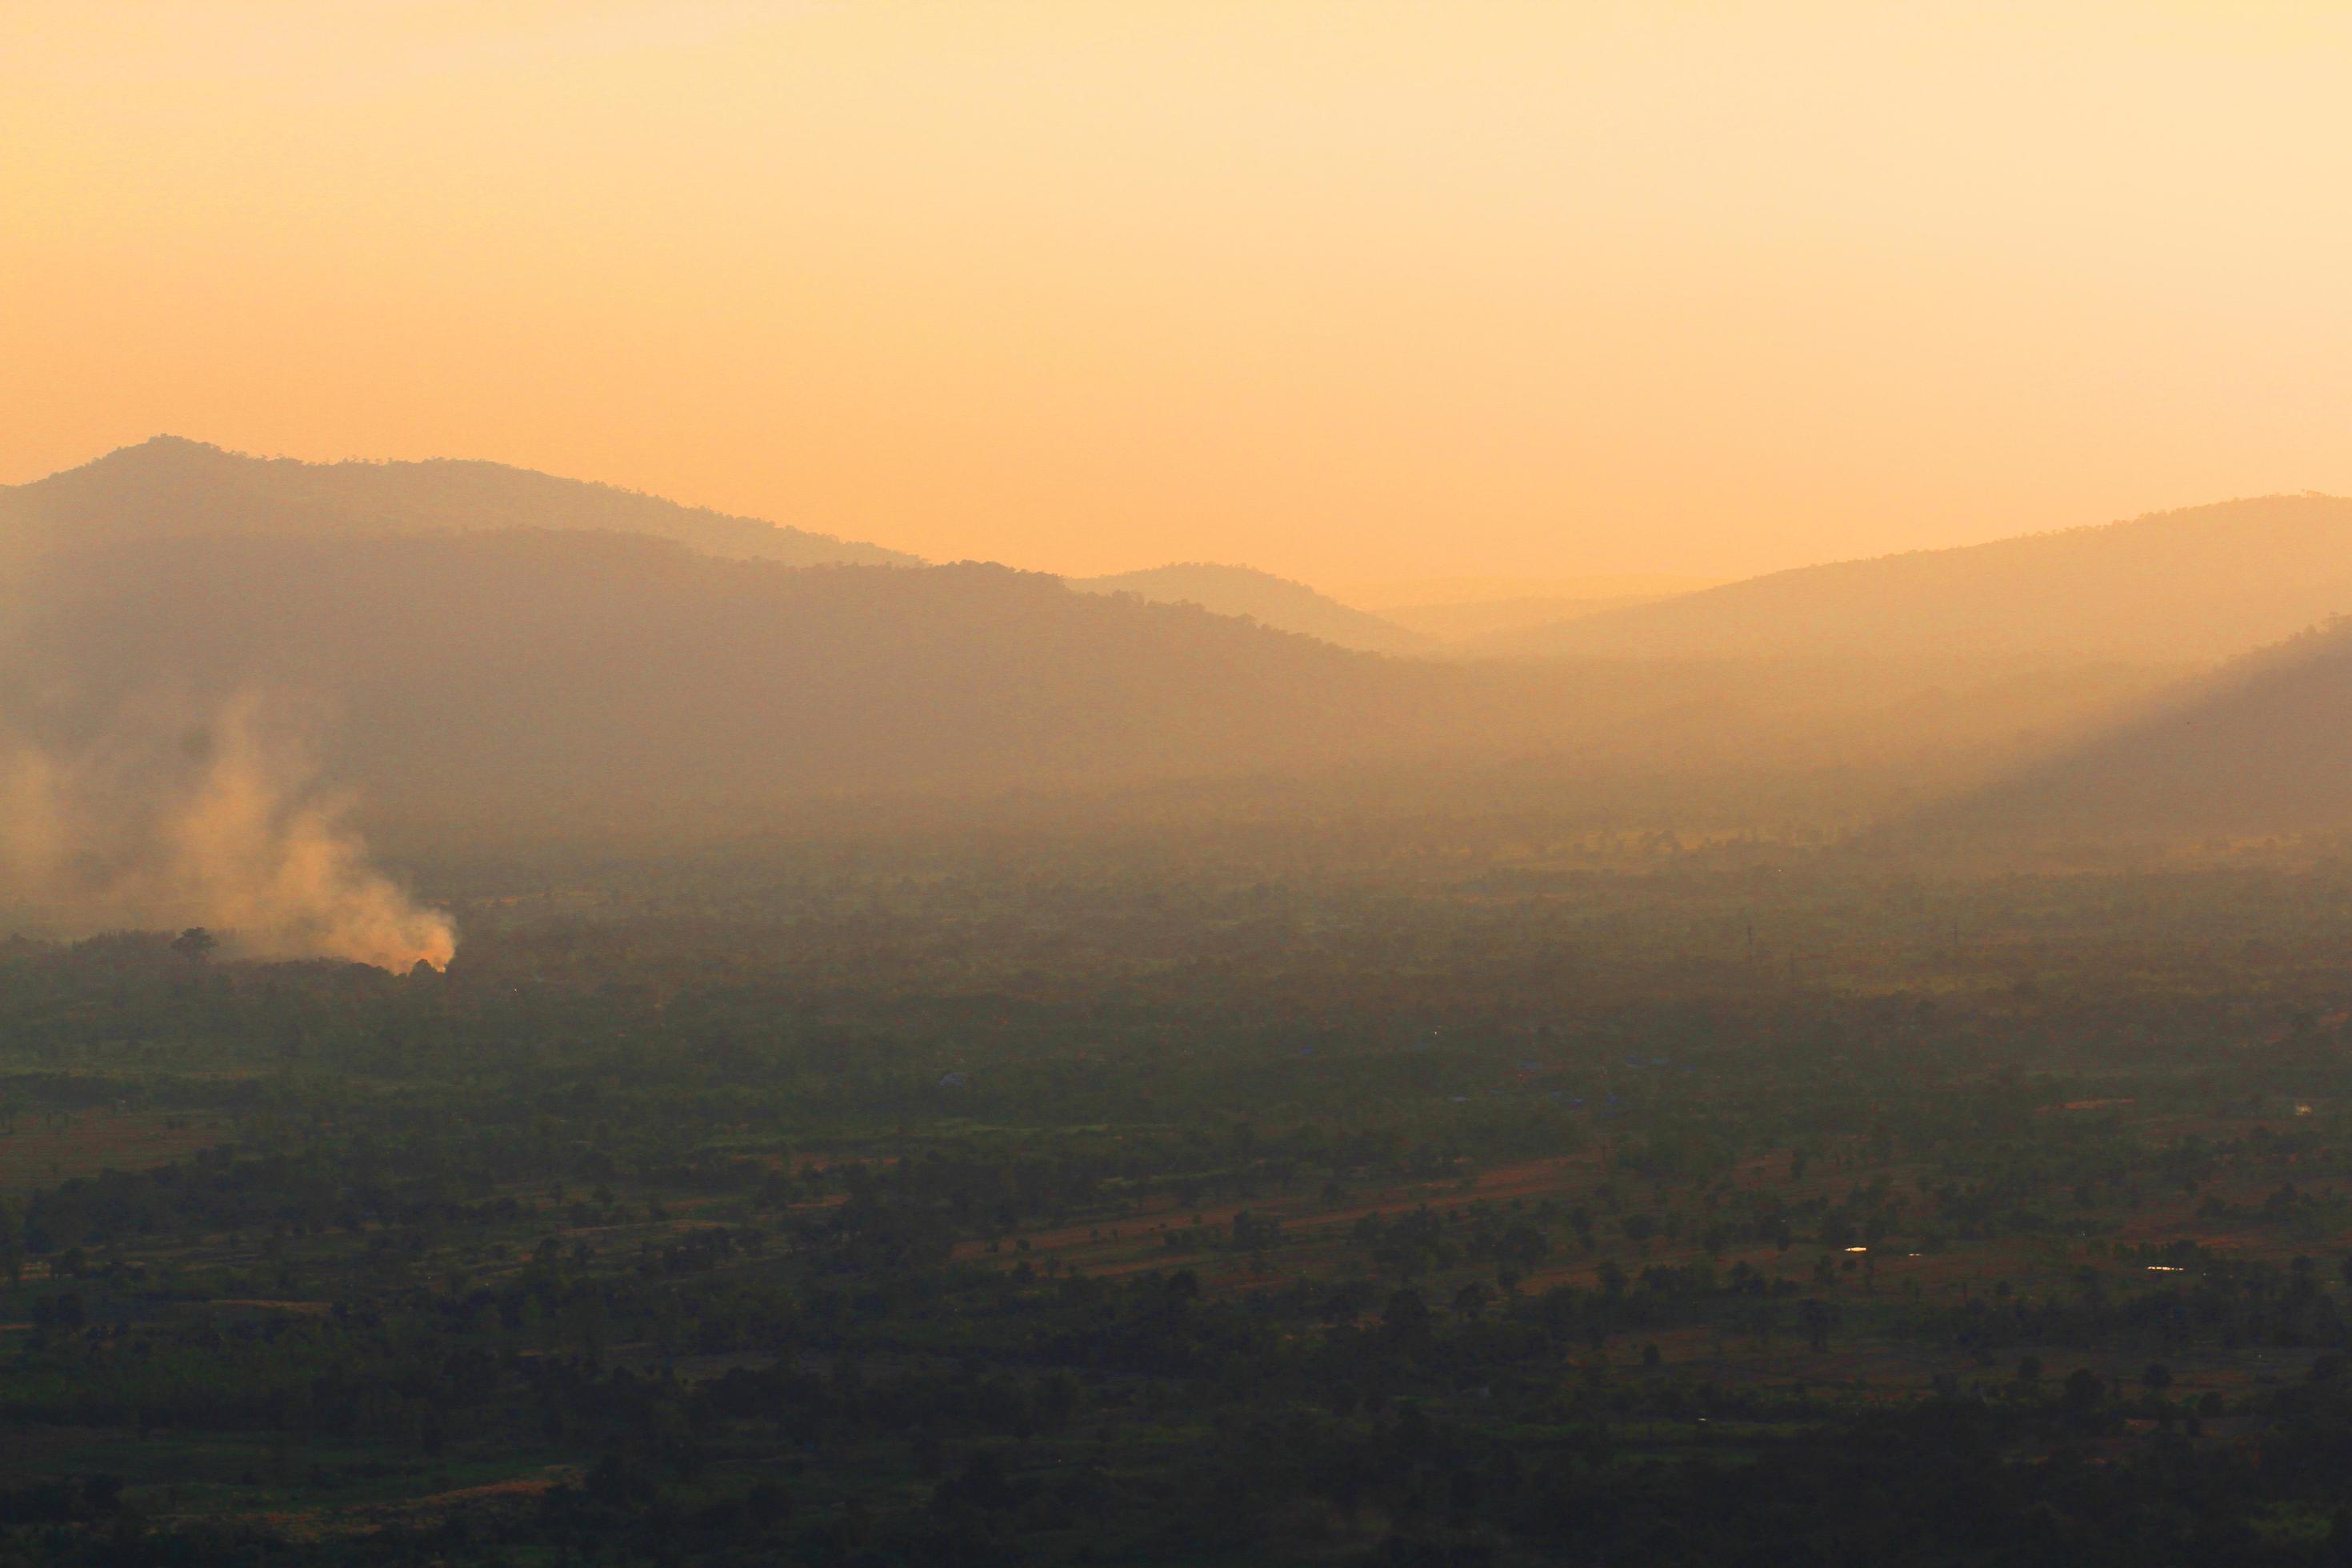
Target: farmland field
(40, 1150)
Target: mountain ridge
(570, 677)
(168, 484)
(1275, 600)
(2204, 583)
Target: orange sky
(1349, 290)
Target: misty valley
(543, 1026)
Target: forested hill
(2206, 584)
(172, 486)
(1263, 596)
(2262, 746)
(532, 672)
(580, 681)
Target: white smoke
(217, 825)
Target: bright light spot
(1857, 1249)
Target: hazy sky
(1349, 290)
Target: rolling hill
(2261, 746)
(454, 651)
(530, 669)
(1274, 601)
(558, 682)
(1492, 627)
(173, 487)
(2201, 584)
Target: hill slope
(1276, 601)
(563, 665)
(170, 485)
(1495, 628)
(2261, 746)
(2208, 583)
(562, 682)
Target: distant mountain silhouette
(1495, 627)
(502, 669)
(562, 682)
(2263, 745)
(1276, 601)
(170, 485)
(576, 675)
(2208, 583)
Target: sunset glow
(1348, 291)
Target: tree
(194, 944)
(1406, 1319)
(2083, 1389)
(1817, 1318)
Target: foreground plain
(1073, 1199)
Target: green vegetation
(1097, 1196)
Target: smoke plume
(216, 824)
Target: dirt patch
(413, 1513)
